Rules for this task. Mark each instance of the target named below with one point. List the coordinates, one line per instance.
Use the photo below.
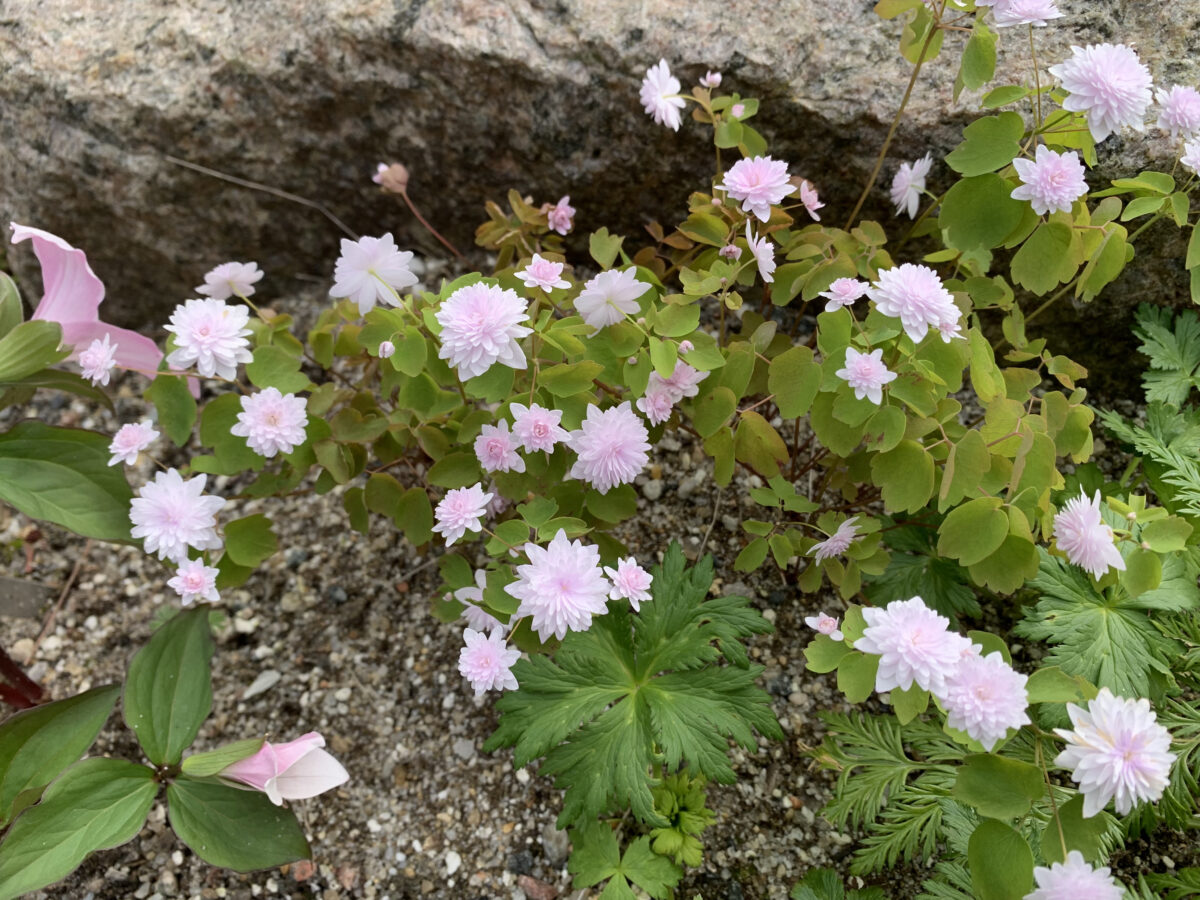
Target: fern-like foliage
(916, 570)
(1167, 443)
(1173, 347)
(1177, 807)
(1181, 885)
(951, 881)
(637, 692)
(909, 826)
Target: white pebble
(453, 862)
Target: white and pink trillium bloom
(866, 373)
(1191, 155)
(386, 349)
(496, 450)
(1081, 534)
(173, 515)
(985, 697)
(844, 292)
(916, 296)
(272, 422)
(837, 543)
(1025, 12)
(1179, 112)
(372, 270)
(98, 360)
(129, 441)
(759, 183)
(295, 770)
(629, 582)
(826, 625)
(195, 581)
(1074, 880)
(1051, 181)
(230, 279)
(471, 597)
(914, 645)
(909, 184)
(810, 199)
(764, 254)
(711, 80)
(610, 297)
(1109, 84)
(544, 274)
(611, 445)
(486, 662)
(210, 335)
(481, 326)
(1117, 751)
(660, 95)
(561, 216)
(657, 403)
(561, 588)
(537, 428)
(460, 512)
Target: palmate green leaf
(597, 856)
(633, 684)
(1168, 442)
(942, 583)
(1102, 638)
(1174, 351)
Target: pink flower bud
(295, 770)
(686, 346)
(731, 251)
(386, 349)
(737, 109)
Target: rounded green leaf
(794, 377)
(904, 475)
(856, 675)
(973, 531)
(1001, 862)
(759, 445)
(989, 143)
(712, 411)
(997, 787)
(1078, 833)
(979, 213)
(176, 407)
(249, 540)
(1045, 260)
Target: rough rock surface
(476, 96)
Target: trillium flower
(295, 770)
(72, 297)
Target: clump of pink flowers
(760, 183)
(272, 422)
(612, 447)
(496, 450)
(536, 427)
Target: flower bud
(686, 346)
(393, 179)
(386, 349)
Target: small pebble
(266, 680)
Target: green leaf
(597, 857)
(823, 653)
(889, 9)
(905, 476)
(94, 805)
(249, 541)
(979, 58)
(1142, 206)
(1085, 835)
(36, 744)
(856, 675)
(232, 828)
(973, 531)
(759, 445)
(412, 351)
(979, 213)
(677, 320)
(30, 347)
(966, 464)
(616, 505)
(705, 228)
(712, 411)
(604, 247)
(569, 379)
(908, 704)
(12, 313)
(1003, 96)
(62, 475)
(232, 453)
(996, 787)
(753, 555)
(1192, 260)
(989, 143)
(203, 765)
(1053, 685)
(1143, 572)
(168, 692)
(69, 382)
(273, 366)
(457, 470)
(1001, 862)
(1167, 535)
(794, 378)
(1044, 260)
(176, 407)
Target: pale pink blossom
(909, 184)
(195, 581)
(629, 582)
(826, 625)
(730, 251)
(686, 346)
(950, 331)
(295, 770)
(380, 168)
(1191, 155)
(611, 445)
(1179, 112)
(656, 404)
(711, 80)
(460, 512)
(486, 662)
(1025, 12)
(684, 381)
(764, 254)
(386, 349)
(866, 373)
(844, 292)
(230, 279)
(173, 515)
(561, 588)
(610, 297)
(1109, 84)
(129, 441)
(916, 296)
(561, 216)
(272, 422)
(913, 644)
(660, 95)
(1051, 181)
(210, 335)
(837, 543)
(759, 183)
(372, 270)
(544, 274)
(1074, 880)
(985, 697)
(810, 199)
(474, 612)
(737, 110)
(98, 360)
(496, 450)
(1081, 534)
(481, 326)
(537, 428)
(72, 295)
(1117, 751)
